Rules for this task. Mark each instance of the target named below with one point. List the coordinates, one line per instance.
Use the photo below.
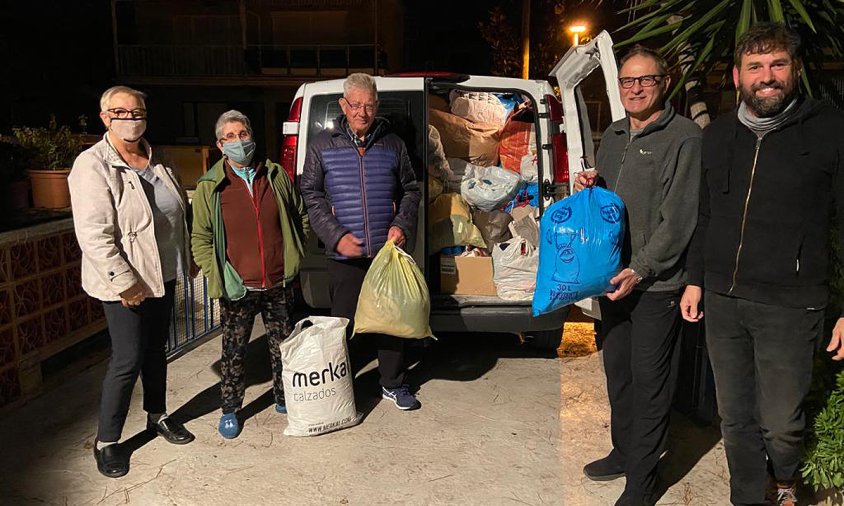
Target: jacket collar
(623, 125)
(806, 108)
(376, 131)
(217, 173)
(113, 158)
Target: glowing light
(576, 30)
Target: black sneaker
(605, 469)
(401, 397)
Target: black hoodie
(765, 206)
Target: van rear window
(403, 109)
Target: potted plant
(14, 185)
(52, 152)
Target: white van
(564, 147)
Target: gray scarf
(764, 125)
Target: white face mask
(130, 130)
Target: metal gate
(195, 315)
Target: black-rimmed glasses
(121, 113)
(644, 81)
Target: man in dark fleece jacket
(651, 159)
(771, 176)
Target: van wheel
(548, 340)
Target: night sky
(58, 55)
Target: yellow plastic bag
(394, 298)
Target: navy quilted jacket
(365, 194)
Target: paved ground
(499, 425)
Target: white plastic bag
(317, 377)
(478, 107)
(528, 168)
(487, 188)
(514, 267)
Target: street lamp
(576, 30)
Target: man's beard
(767, 107)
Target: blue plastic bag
(580, 248)
(509, 101)
(528, 195)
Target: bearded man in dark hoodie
(772, 175)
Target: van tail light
(555, 108)
(290, 143)
(289, 146)
(558, 141)
(560, 158)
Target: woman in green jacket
(250, 228)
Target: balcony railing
(255, 60)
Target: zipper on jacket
(621, 165)
(365, 216)
(744, 214)
(156, 258)
(256, 206)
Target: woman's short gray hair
(105, 99)
(231, 116)
(360, 81)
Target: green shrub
(823, 466)
(51, 148)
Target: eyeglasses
(126, 114)
(242, 135)
(644, 81)
(369, 108)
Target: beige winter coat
(114, 223)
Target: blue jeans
(762, 361)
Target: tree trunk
(698, 111)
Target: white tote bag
(317, 377)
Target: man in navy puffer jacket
(361, 191)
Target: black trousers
(762, 361)
(138, 339)
(639, 336)
(237, 319)
(345, 280)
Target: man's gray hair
(105, 99)
(231, 116)
(360, 81)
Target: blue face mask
(239, 151)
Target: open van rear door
(575, 66)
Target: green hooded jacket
(208, 238)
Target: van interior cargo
(482, 194)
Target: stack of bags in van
(484, 203)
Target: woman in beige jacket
(129, 215)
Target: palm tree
(701, 34)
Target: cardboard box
(466, 276)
